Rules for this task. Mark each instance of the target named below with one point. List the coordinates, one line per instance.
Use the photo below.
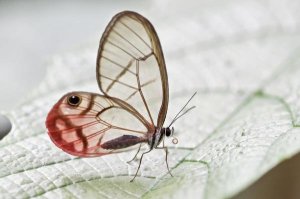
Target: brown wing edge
(155, 43)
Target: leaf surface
(242, 57)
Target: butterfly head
(169, 132)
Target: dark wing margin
(131, 66)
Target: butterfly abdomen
(122, 142)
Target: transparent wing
(131, 66)
(95, 125)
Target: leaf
(241, 57)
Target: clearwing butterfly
(131, 73)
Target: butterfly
(132, 75)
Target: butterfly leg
(167, 152)
(135, 154)
(139, 165)
(166, 159)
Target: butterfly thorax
(158, 135)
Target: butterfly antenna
(178, 115)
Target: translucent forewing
(131, 66)
(97, 126)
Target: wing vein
(141, 92)
(118, 81)
(117, 64)
(136, 35)
(115, 45)
(128, 42)
(135, 92)
(117, 78)
(125, 129)
(87, 137)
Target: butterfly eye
(74, 100)
(168, 132)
